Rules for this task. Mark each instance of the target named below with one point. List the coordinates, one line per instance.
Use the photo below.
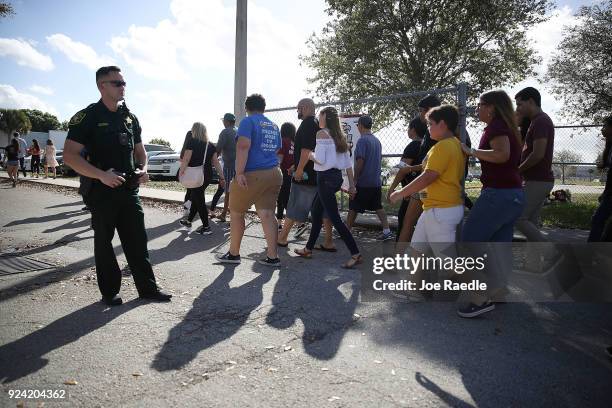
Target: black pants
(283, 196)
(601, 223)
(119, 209)
(35, 164)
(198, 204)
(22, 165)
(328, 184)
(216, 197)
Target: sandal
(303, 252)
(351, 263)
(320, 247)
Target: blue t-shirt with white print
(265, 141)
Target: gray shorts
(300, 201)
(228, 173)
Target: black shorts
(367, 198)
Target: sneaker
(185, 223)
(112, 300)
(158, 296)
(472, 310)
(202, 230)
(228, 258)
(301, 229)
(269, 261)
(385, 237)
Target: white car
(164, 165)
(155, 149)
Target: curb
(359, 222)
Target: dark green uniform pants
(120, 209)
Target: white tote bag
(194, 176)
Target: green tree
(65, 125)
(566, 156)
(6, 10)
(42, 121)
(382, 47)
(160, 141)
(581, 70)
(14, 120)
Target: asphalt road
(250, 336)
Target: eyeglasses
(116, 83)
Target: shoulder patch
(78, 118)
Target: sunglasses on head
(116, 83)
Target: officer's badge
(77, 118)
(128, 120)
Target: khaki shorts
(263, 188)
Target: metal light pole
(240, 67)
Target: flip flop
(320, 247)
(304, 253)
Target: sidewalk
(176, 197)
(364, 220)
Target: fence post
(462, 101)
(341, 192)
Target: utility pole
(240, 61)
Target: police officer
(115, 168)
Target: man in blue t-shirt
(368, 163)
(258, 179)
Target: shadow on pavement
(323, 298)
(518, 355)
(216, 315)
(26, 356)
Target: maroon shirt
(287, 151)
(500, 175)
(541, 127)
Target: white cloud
(25, 54)
(197, 42)
(547, 36)
(78, 52)
(11, 98)
(160, 115)
(44, 90)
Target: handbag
(194, 175)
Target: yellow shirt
(445, 158)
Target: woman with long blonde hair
(200, 152)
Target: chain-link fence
(391, 115)
(576, 151)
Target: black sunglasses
(116, 83)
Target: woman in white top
(330, 157)
(50, 160)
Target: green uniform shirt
(109, 137)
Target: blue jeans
(493, 215)
(328, 184)
(599, 231)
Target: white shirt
(326, 157)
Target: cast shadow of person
(515, 356)
(316, 298)
(180, 247)
(216, 315)
(25, 356)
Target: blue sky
(177, 56)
